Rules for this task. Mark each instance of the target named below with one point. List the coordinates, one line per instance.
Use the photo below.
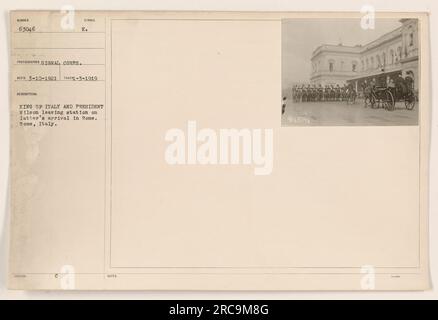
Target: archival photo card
(147, 151)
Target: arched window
(391, 53)
(354, 66)
(372, 63)
(384, 59)
(367, 64)
(379, 63)
(410, 37)
(331, 65)
(399, 53)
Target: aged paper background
(330, 206)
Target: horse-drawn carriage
(386, 97)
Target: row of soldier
(306, 93)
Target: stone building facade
(390, 55)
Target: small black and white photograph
(340, 72)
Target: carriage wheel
(410, 102)
(373, 103)
(389, 101)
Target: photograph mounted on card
(219, 150)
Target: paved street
(340, 113)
